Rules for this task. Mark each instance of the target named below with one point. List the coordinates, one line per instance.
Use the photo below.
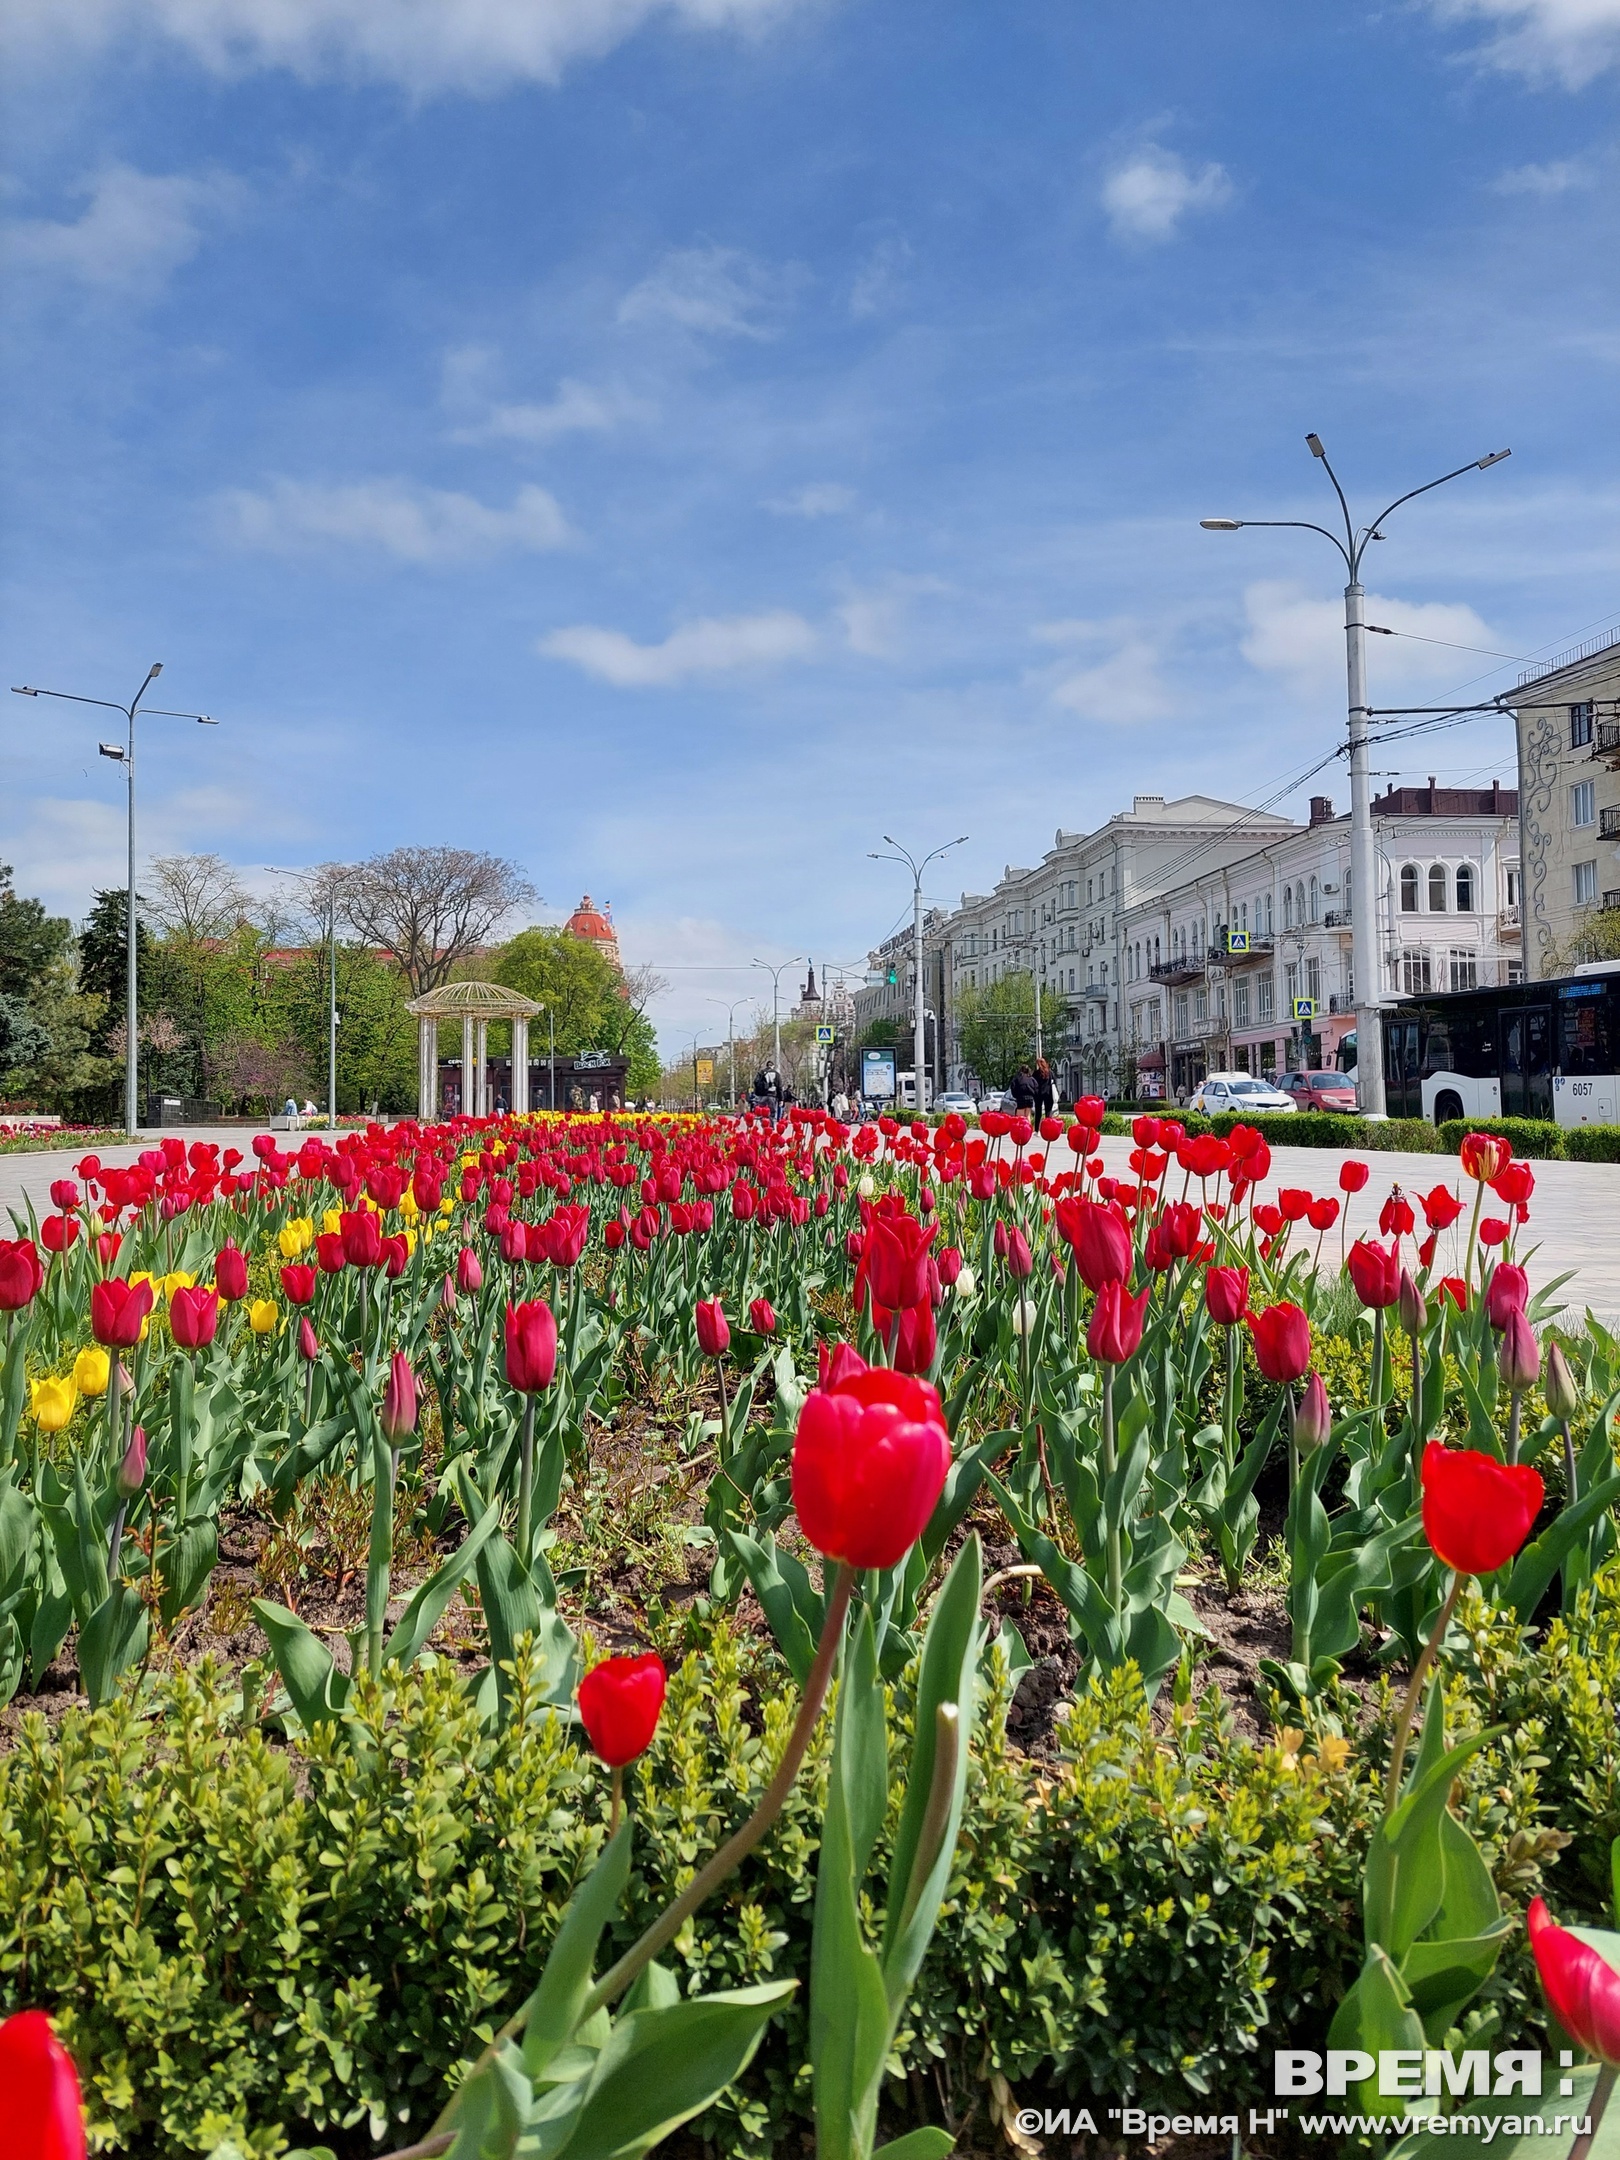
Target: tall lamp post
(316, 877)
(1364, 872)
(775, 973)
(124, 755)
(919, 1044)
(731, 1040)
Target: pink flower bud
(1414, 1313)
(399, 1397)
(308, 1348)
(1313, 1420)
(132, 1470)
(1520, 1360)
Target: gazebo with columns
(475, 1005)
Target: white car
(1239, 1091)
(963, 1105)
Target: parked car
(963, 1105)
(995, 1099)
(1334, 1091)
(1242, 1092)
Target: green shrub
(1592, 1143)
(1311, 1128)
(251, 1943)
(1537, 1137)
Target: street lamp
(329, 879)
(731, 1039)
(551, 1049)
(919, 1048)
(1364, 875)
(125, 756)
(775, 973)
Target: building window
(1180, 1008)
(1465, 890)
(1580, 725)
(1513, 884)
(1409, 889)
(1200, 1006)
(1583, 803)
(1291, 983)
(1515, 971)
(1585, 883)
(1288, 907)
(1262, 995)
(1155, 1017)
(1240, 1001)
(1437, 889)
(1316, 901)
(1415, 978)
(1313, 980)
(1464, 969)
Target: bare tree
(430, 907)
(638, 987)
(197, 897)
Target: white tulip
(866, 1186)
(1023, 1317)
(966, 1282)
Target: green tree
(103, 960)
(377, 1037)
(997, 1026)
(46, 1022)
(592, 1006)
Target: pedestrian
(1023, 1090)
(1045, 1092)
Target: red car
(1319, 1090)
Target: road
(1574, 1215)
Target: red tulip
(1519, 1360)
(58, 1232)
(1181, 1223)
(329, 1252)
(20, 1273)
(64, 1194)
(531, 1346)
(1581, 1986)
(1375, 1270)
(1282, 1343)
(1323, 1213)
(1508, 1291)
(1441, 1207)
(396, 1256)
(915, 1339)
(619, 1705)
(1494, 1230)
(762, 1316)
(1484, 1156)
(895, 1260)
(1453, 1287)
(1396, 1218)
(193, 1318)
(132, 1470)
(361, 1232)
(1514, 1184)
(838, 1364)
(1313, 1420)
(309, 1348)
(1352, 1176)
(469, 1271)
(39, 2091)
(713, 1329)
(297, 1283)
(1226, 1294)
(398, 1413)
(230, 1273)
(117, 1309)
(1115, 1333)
(1294, 1202)
(1477, 1511)
(1101, 1241)
(947, 1265)
(870, 1459)
(1020, 1260)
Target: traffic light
(894, 977)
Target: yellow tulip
(295, 1237)
(91, 1371)
(50, 1402)
(407, 1205)
(447, 1206)
(410, 1240)
(263, 1315)
(332, 1221)
(178, 1280)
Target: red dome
(595, 925)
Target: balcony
(1609, 823)
(1185, 970)
(1607, 744)
(1259, 948)
(1336, 919)
(1611, 900)
(1339, 1003)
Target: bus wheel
(1447, 1107)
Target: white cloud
(714, 645)
(1291, 634)
(1122, 688)
(417, 524)
(818, 499)
(1544, 180)
(1148, 196)
(423, 46)
(577, 408)
(136, 228)
(719, 291)
(880, 281)
(1565, 41)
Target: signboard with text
(877, 1075)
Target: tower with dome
(595, 925)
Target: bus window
(1585, 1042)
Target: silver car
(1240, 1091)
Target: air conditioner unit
(1330, 888)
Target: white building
(1214, 964)
(1063, 923)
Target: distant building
(1568, 715)
(810, 1001)
(595, 926)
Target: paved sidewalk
(1574, 1215)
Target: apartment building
(1061, 921)
(1568, 719)
(1217, 966)
(889, 991)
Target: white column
(469, 1069)
(427, 1069)
(520, 1067)
(483, 1068)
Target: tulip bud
(966, 1282)
(132, 1470)
(1562, 1389)
(447, 1293)
(762, 1316)
(230, 1273)
(1520, 1360)
(469, 1271)
(308, 1348)
(1414, 1313)
(866, 1186)
(399, 1397)
(713, 1329)
(1020, 1261)
(1313, 1420)
(999, 1240)
(1023, 1317)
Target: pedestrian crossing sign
(1304, 1008)
(824, 1034)
(1237, 941)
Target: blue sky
(675, 444)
